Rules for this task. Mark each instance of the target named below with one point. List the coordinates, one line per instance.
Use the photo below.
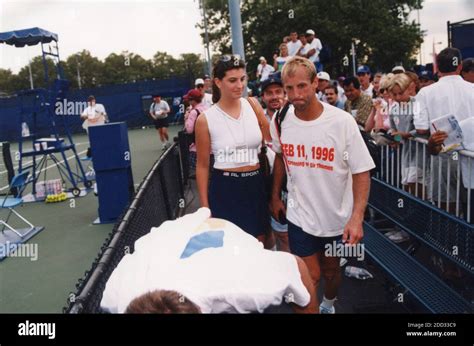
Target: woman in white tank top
(232, 131)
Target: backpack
(192, 136)
(374, 149)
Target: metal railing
(438, 179)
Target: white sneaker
(324, 311)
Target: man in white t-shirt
(93, 115)
(304, 48)
(327, 164)
(294, 44)
(315, 47)
(211, 264)
(264, 70)
(159, 111)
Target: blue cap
(363, 69)
(426, 75)
(274, 78)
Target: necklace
(242, 125)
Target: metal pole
(353, 49)
(236, 29)
(419, 25)
(78, 75)
(31, 75)
(206, 35)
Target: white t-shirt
(322, 155)
(369, 91)
(207, 100)
(264, 71)
(212, 262)
(315, 44)
(293, 47)
(450, 95)
(467, 127)
(341, 94)
(96, 115)
(158, 109)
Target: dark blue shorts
(240, 198)
(159, 123)
(303, 244)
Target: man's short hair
(90, 98)
(330, 86)
(292, 64)
(162, 302)
(468, 65)
(351, 80)
(448, 60)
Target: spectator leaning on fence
(357, 104)
(451, 95)
(379, 120)
(327, 164)
(401, 123)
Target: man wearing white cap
(206, 97)
(264, 70)
(398, 69)
(315, 47)
(323, 83)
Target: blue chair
(17, 186)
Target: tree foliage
(382, 29)
(116, 68)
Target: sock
(328, 303)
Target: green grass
(69, 243)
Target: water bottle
(358, 273)
(25, 130)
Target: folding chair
(17, 186)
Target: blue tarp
(29, 37)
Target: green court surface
(69, 243)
